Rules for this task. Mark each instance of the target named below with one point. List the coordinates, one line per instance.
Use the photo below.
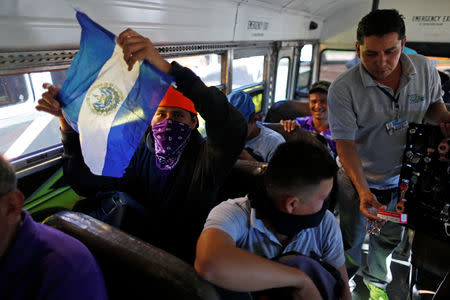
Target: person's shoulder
(329, 220)
(242, 204)
(62, 248)
(63, 263)
(345, 84)
(421, 62)
(347, 77)
(303, 120)
(419, 58)
(271, 134)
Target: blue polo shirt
(45, 263)
(238, 219)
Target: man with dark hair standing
(370, 107)
(37, 261)
(286, 212)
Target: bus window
(248, 75)
(247, 71)
(257, 95)
(335, 62)
(12, 90)
(442, 63)
(304, 70)
(207, 67)
(24, 130)
(282, 79)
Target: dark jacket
(179, 201)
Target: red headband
(174, 98)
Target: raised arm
(49, 104)
(219, 261)
(226, 128)
(76, 172)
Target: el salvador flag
(109, 106)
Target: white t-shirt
(265, 143)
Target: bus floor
(398, 288)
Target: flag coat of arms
(109, 106)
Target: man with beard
(175, 178)
(287, 212)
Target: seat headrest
(295, 134)
(287, 110)
(132, 267)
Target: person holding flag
(174, 173)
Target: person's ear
(12, 204)
(291, 203)
(194, 122)
(357, 49)
(403, 43)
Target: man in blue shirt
(261, 141)
(37, 261)
(286, 211)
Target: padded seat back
(132, 268)
(295, 134)
(287, 110)
(242, 178)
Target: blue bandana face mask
(171, 138)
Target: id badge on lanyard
(398, 124)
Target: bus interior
(274, 50)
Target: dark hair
(299, 164)
(320, 86)
(8, 180)
(380, 22)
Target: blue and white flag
(109, 106)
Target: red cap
(174, 98)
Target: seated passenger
(287, 212)
(261, 141)
(318, 121)
(37, 261)
(177, 189)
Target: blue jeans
(353, 225)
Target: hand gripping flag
(109, 106)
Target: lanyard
(395, 104)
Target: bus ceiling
(427, 24)
(48, 25)
(51, 24)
